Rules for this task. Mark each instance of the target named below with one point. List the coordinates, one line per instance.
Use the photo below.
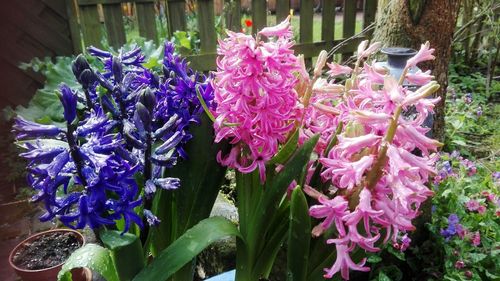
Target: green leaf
(276, 188)
(92, 256)
(287, 150)
(374, 259)
(184, 249)
(477, 257)
(299, 237)
(459, 142)
(126, 251)
(382, 277)
(396, 253)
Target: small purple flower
(453, 219)
(168, 183)
(451, 230)
(151, 218)
(479, 111)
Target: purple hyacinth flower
(149, 188)
(68, 100)
(151, 218)
(28, 129)
(168, 183)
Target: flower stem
(375, 173)
(73, 148)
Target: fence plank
(113, 20)
(369, 9)
(206, 26)
(146, 20)
(233, 18)
(306, 21)
(259, 15)
(91, 26)
(282, 10)
(328, 20)
(74, 27)
(349, 23)
(176, 16)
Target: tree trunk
(409, 23)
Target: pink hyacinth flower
(424, 54)
(343, 263)
(347, 173)
(419, 78)
(332, 211)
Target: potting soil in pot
(47, 251)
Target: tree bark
(409, 23)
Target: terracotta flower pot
(47, 274)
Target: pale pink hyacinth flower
(392, 202)
(343, 262)
(257, 105)
(419, 78)
(373, 48)
(337, 69)
(424, 54)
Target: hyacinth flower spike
(371, 168)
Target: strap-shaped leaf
(275, 190)
(299, 237)
(92, 256)
(184, 249)
(287, 150)
(126, 251)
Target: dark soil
(47, 251)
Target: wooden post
(233, 18)
(282, 10)
(176, 16)
(91, 26)
(146, 20)
(328, 21)
(113, 19)
(306, 25)
(74, 27)
(259, 15)
(349, 23)
(369, 10)
(206, 26)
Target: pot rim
(393, 51)
(21, 244)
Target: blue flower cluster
(124, 120)
(454, 228)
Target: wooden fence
(28, 29)
(91, 28)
